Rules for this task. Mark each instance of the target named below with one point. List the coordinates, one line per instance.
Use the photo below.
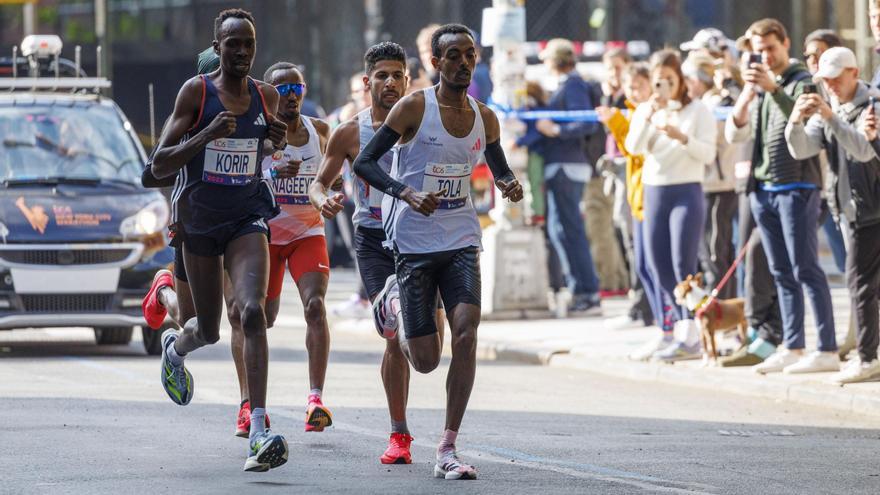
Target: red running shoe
(154, 312)
(398, 450)
(243, 424)
(318, 416)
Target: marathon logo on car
(230, 162)
(295, 190)
(451, 182)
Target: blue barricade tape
(721, 113)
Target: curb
(810, 393)
(741, 382)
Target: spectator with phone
(815, 45)
(677, 136)
(855, 171)
(758, 287)
(636, 82)
(784, 196)
(717, 249)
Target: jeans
(761, 297)
(643, 271)
(674, 218)
(788, 222)
(565, 226)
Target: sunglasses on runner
(286, 89)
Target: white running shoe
(658, 343)
(777, 362)
(384, 314)
(814, 362)
(855, 371)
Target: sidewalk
(587, 344)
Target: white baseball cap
(834, 61)
(707, 39)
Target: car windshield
(77, 143)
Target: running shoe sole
(168, 334)
(319, 419)
(377, 303)
(272, 454)
(396, 460)
(439, 472)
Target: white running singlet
(436, 161)
(368, 200)
(298, 218)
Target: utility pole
(29, 18)
(105, 55)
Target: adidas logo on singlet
(260, 120)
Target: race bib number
(295, 190)
(452, 182)
(230, 162)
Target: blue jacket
(569, 147)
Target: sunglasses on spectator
(808, 56)
(296, 88)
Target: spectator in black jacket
(855, 174)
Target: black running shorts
(455, 273)
(214, 243)
(375, 262)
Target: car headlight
(150, 220)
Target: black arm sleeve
(149, 180)
(498, 162)
(366, 165)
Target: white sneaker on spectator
(777, 362)
(814, 362)
(686, 331)
(855, 371)
(354, 307)
(621, 322)
(658, 343)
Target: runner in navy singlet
(220, 208)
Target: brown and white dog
(712, 315)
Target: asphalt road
(83, 419)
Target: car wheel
(152, 340)
(113, 335)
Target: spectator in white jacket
(677, 135)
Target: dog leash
(730, 271)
